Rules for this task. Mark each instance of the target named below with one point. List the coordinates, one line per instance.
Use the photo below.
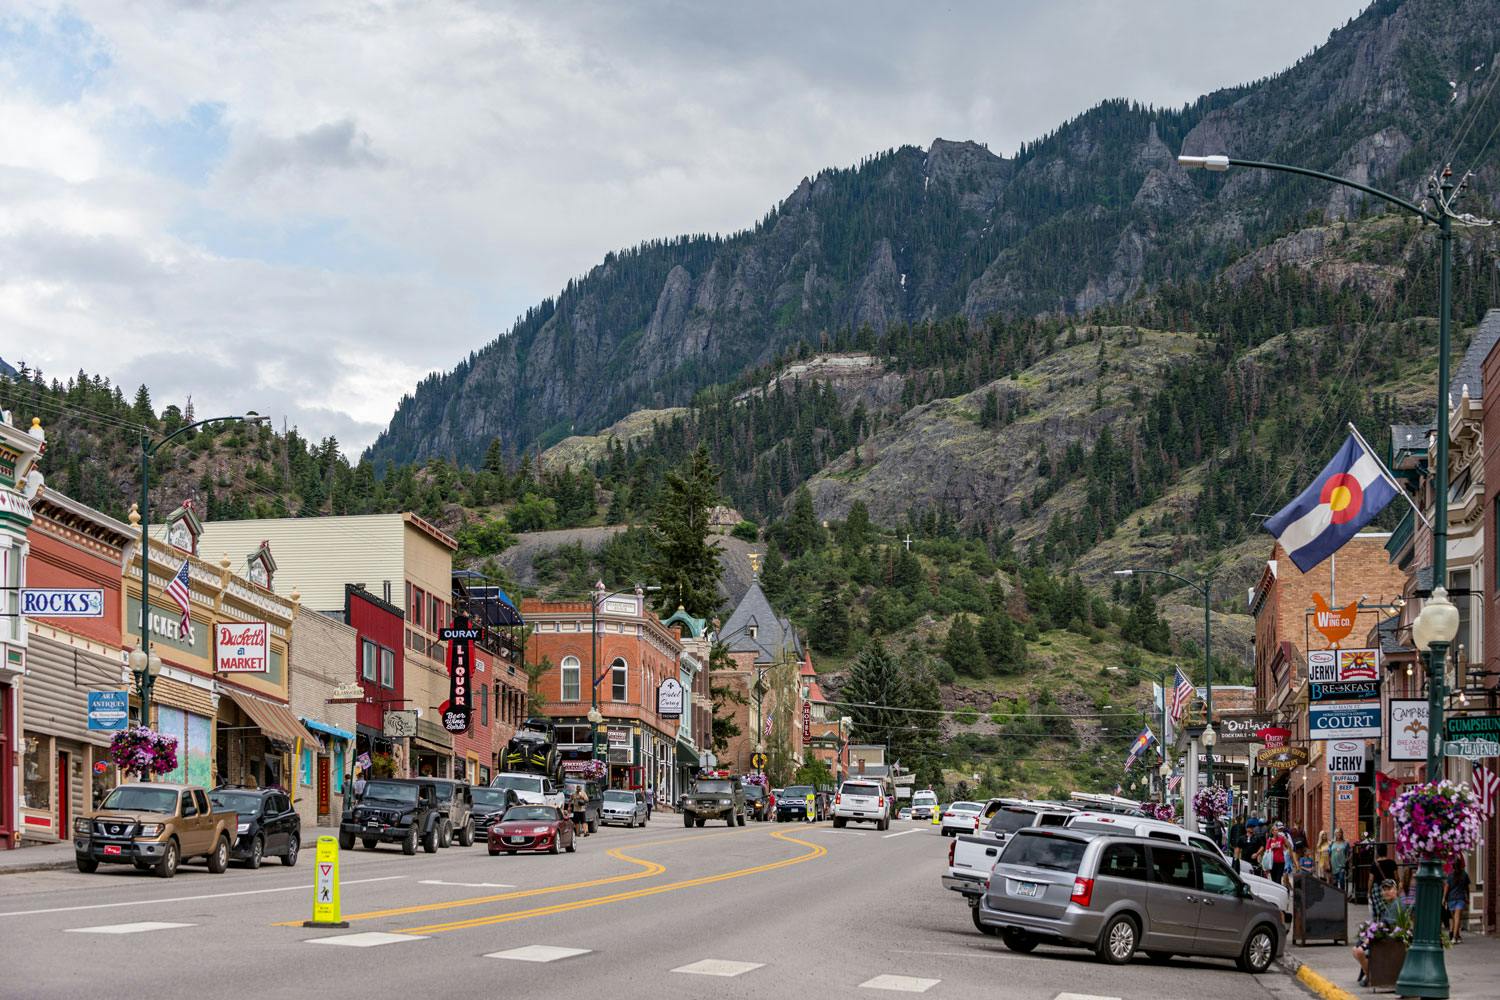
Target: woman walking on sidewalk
(1456, 901)
(1338, 859)
(1321, 858)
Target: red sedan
(531, 828)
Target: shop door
(64, 800)
(325, 786)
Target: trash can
(1320, 911)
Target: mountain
(1092, 214)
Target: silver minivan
(1118, 895)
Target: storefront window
(618, 683)
(571, 680)
(36, 772)
(103, 778)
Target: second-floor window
(484, 706)
(387, 667)
(571, 680)
(619, 681)
(369, 661)
(415, 607)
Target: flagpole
(1387, 475)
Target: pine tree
(141, 411)
(877, 694)
(831, 627)
(961, 649)
(685, 564)
(801, 532)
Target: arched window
(570, 679)
(619, 677)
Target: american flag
(768, 724)
(1173, 782)
(1486, 790)
(177, 590)
(1181, 694)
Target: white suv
(531, 789)
(862, 801)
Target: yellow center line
(814, 851)
(648, 869)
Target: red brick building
(379, 627)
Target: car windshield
(797, 792)
(965, 807)
(754, 792)
(531, 814)
(1054, 853)
(923, 799)
(851, 788)
(139, 798)
(1011, 820)
(618, 795)
(243, 803)
(520, 782)
(391, 791)
(490, 796)
(712, 787)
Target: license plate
(515, 840)
(1028, 888)
(112, 849)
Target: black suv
(455, 800)
(489, 805)
(268, 825)
(394, 811)
(593, 806)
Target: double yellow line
(813, 851)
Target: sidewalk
(50, 857)
(1329, 970)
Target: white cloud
(396, 180)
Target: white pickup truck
(971, 856)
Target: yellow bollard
(937, 812)
(326, 886)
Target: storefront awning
(432, 736)
(323, 727)
(687, 756)
(275, 720)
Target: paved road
(765, 910)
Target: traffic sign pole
(326, 886)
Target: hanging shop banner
(669, 699)
(806, 721)
(1406, 736)
(1274, 737)
(1345, 756)
(1472, 736)
(1343, 674)
(1282, 758)
(242, 647)
(1332, 722)
(399, 723)
(1334, 623)
(1235, 728)
(460, 686)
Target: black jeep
(393, 811)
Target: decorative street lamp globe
(1436, 622)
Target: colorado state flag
(1345, 497)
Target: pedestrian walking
(650, 802)
(359, 785)
(1276, 854)
(580, 809)
(1456, 901)
(1338, 859)
(1237, 840)
(1321, 858)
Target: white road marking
(718, 967)
(469, 885)
(188, 899)
(1081, 996)
(901, 834)
(900, 984)
(367, 939)
(149, 925)
(538, 953)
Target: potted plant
(140, 750)
(1385, 944)
(1165, 811)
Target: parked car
(455, 803)
(960, 817)
(154, 827)
(791, 803)
(714, 795)
(905, 813)
(862, 801)
(1119, 894)
(489, 805)
(533, 789)
(923, 804)
(268, 825)
(1096, 802)
(531, 828)
(758, 798)
(593, 808)
(394, 811)
(972, 855)
(1271, 891)
(625, 807)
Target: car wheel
(699, 821)
(409, 842)
(432, 840)
(838, 822)
(1159, 957)
(740, 819)
(218, 861)
(167, 866)
(1117, 943)
(346, 841)
(445, 835)
(553, 848)
(1259, 950)
(572, 845)
(1018, 941)
(257, 854)
(86, 864)
(687, 820)
(369, 843)
(982, 928)
(293, 845)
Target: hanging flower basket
(139, 750)
(1211, 803)
(1165, 811)
(755, 778)
(593, 770)
(1437, 821)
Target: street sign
(1471, 749)
(326, 886)
(758, 761)
(1406, 737)
(1332, 722)
(400, 723)
(62, 602)
(1345, 756)
(345, 693)
(109, 711)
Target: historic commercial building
(323, 648)
(760, 643)
(18, 453)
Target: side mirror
(1243, 891)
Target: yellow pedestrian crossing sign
(326, 886)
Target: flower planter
(1386, 958)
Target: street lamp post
(141, 661)
(1206, 589)
(1424, 974)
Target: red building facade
(379, 669)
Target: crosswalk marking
(538, 953)
(301, 886)
(367, 939)
(718, 967)
(147, 925)
(1082, 996)
(899, 984)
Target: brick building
(760, 642)
(322, 657)
(379, 667)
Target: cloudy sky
(303, 208)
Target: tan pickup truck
(155, 827)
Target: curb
(1320, 985)
(38, 866)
